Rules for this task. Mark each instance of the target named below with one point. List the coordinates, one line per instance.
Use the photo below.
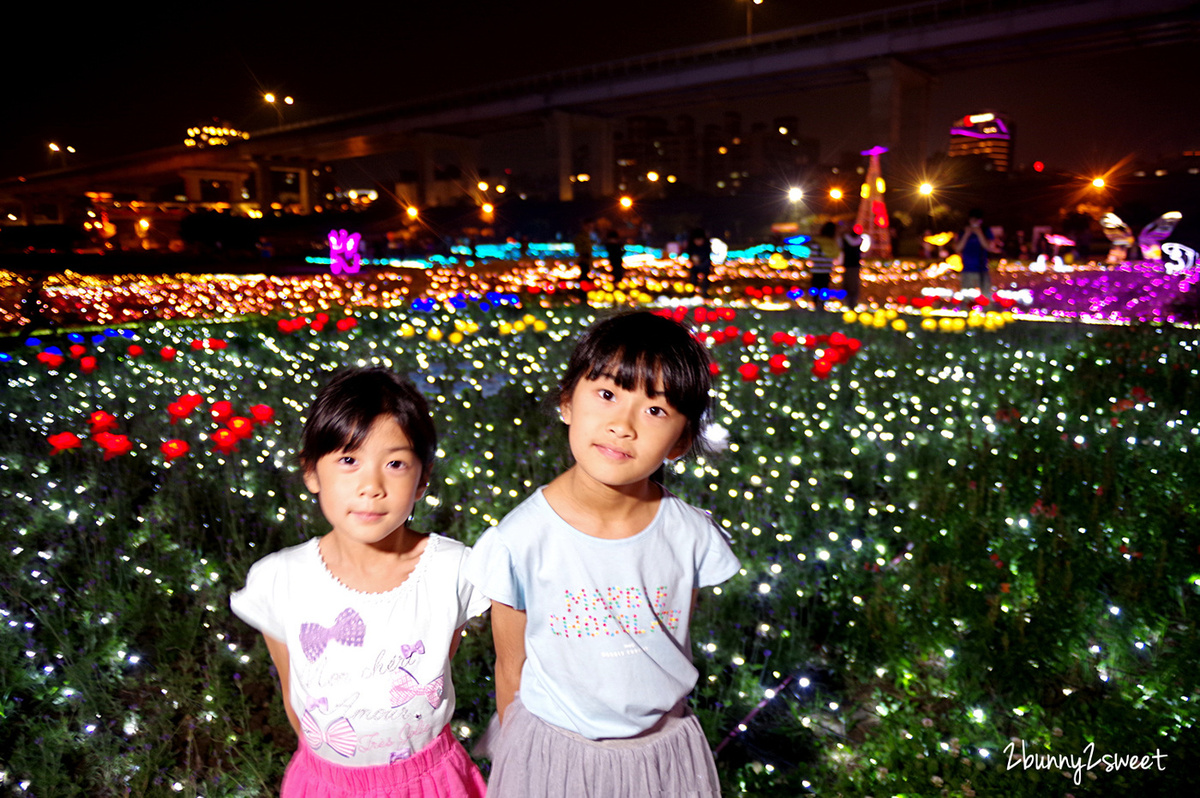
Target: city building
(987, 136)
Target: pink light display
(343, 252)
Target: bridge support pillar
(583, 144)
(262, 185)
(426, 171)
(191, 185)
(560, 122)
(899, 112)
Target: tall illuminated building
(987, 136)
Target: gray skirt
(535, 759)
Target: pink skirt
(441, 769)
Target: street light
(925, 189)
(835, 193)
(795, 194)
(61, 152)
(270, 99)
(626, 202)
(1098, 182)
(411, 211)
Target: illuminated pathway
(1092, 292)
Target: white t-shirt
(606, 630)
(370, 672)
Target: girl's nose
(370, 485)
(621, 423)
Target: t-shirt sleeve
(493, 571)
(471, 600)
(257, 602)
(717, 562)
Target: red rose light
(87, 364)
(135, 351)
(713, 368)
(778, 364)
(179, 409)
(77, 351)
(174, 448)
(167, 353)
(113, 445)
(214, 343)
(347, 323)
(263, 414)
(242, 427)
(50, 359)
(749, 338)
(749, 372)
(222, 411)
(225, 441)
(63, 441)
(197, 344)
(102, 422)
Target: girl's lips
(367, 517)
(613, 453)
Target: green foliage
(955, 543)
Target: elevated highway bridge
(897, 53)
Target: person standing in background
(699, 251)
(616, 255)
(973, 245)
(851, 241)
(583, 250)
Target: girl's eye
(397, 464)
(657, 411)
(606, 394)
(346, 460)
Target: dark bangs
(638, 350)
(349, 404)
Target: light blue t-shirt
(606, 633)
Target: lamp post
(750, 4)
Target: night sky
(122, 78)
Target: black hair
(348, 405)
(639, 349)
(975, 213)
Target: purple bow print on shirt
(339, 735)
(348, 629)
(407, 651)
(406, 688)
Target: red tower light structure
(872, 212)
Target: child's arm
(279, 655)
(508, 635)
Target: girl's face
(620, 437)
(368, 493)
